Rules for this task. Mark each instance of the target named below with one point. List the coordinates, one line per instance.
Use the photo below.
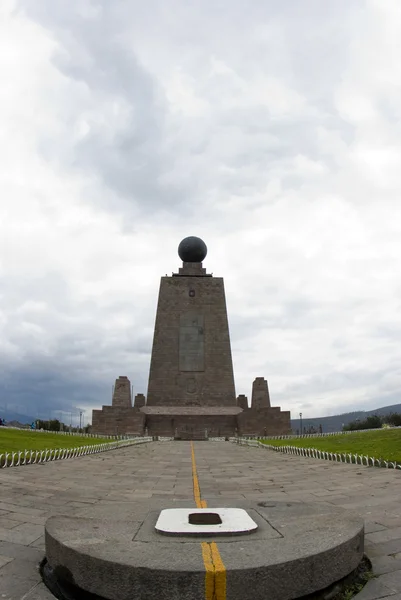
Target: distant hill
(18, 424)
(11, 415)
(336, 422)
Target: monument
(164, 547)
(191, 391)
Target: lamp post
(81, 412)
(300, 418)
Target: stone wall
(216, 426)
(112, 420)
(264, 421)
(120, 421)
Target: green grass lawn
(15, 440)
(384, 444)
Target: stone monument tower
(191, 362)
(191, 381)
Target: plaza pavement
(158, 471)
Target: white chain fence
(344, 457)
(28, 457)
(312, 435)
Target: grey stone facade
(191, 362)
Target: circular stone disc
(117, 553)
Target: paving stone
(39, 592)
(386, 564)
(4, 560)
(390, 521)
(390, 547)
(373, 590)
(20, 508)
(25, 553)
(24, 533)
(386, 535)
(39, 543)
(6, 523)
(392, 580)
(17, 578)
(24, 518)
(372, 527)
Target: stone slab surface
(159, 471)
(308, 551)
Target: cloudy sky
(271, 130)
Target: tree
(393, 419)
(52, 425)
(371, 422)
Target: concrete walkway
(156, 471)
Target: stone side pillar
(122, 393)
(139, 401)
(260, 394)
(242, 401)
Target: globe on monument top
(192, 249)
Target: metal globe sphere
(192, 249)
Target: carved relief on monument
(190, 386)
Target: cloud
(271, 132)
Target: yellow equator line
(215, 576)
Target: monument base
(296, 549)
(191, 422)
(111, 420)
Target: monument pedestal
(294, 550)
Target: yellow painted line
(220, 574)
(216, 575)
(210, 572)
(197, 494)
